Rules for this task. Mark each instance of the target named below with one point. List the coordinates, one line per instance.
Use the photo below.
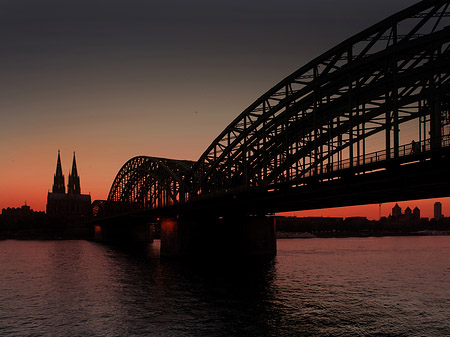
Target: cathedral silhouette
(70, 205)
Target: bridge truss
(149, 182)
(381, 95)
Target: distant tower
(74, 180)
(437, 210)
(408, 211)
(416, 212)
(58, 179)
(396, 211)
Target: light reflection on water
(397, 286)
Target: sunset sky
(119, 78)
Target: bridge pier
(118, 233)
(210, 236)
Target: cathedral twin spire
(58, 179)
(74, 180)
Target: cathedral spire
(74, 180)
(58, 165)
(58, 179)
(74, 166)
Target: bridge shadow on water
(207, 297)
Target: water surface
(393, 286)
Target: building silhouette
(14, 214)
(416, 212)
(70, 205)
(408, 211)
(396, 211)
(438, 210)
(403, 221)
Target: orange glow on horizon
(36, 198)
(372, 211)
(31, 186)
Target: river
(388, 286)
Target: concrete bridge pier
(211, 236)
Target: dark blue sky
(59, 33)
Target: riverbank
(347, 234)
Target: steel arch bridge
(149, 182)
(381, 96)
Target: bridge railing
(413, 148)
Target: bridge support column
(208, 236)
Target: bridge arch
(150, 182)
(325, 113)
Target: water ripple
(318, 287)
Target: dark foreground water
(393, 286)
